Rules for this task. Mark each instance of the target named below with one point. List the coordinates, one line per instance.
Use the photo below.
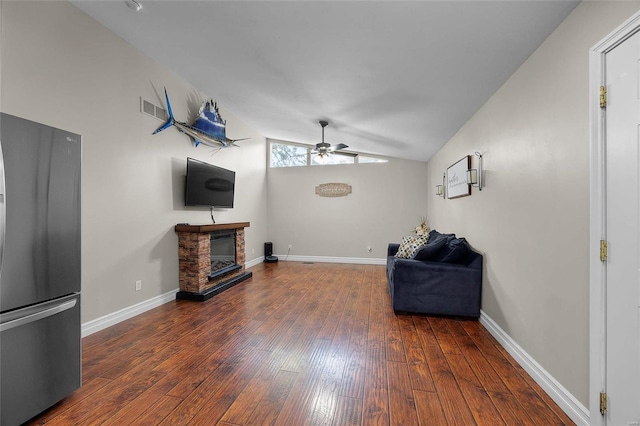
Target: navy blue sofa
(442, 278)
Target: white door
(622, 157)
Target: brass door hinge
(603, 97)
(603, 403)
(603, 250)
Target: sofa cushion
(430, 251)
(456, 250)
(435, 235)
(410, 245)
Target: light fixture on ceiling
(133, 5)
(323, 149)
(474, 176)
(321, 158)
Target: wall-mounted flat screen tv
(209, 185)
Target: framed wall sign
(457, 185)
(333, 189)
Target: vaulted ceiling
(394, 78)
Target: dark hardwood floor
(300, 343)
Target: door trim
(597, 229)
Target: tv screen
(208, 185)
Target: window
(364, 159)
(293, 155)
(335, 158)
(285, 155)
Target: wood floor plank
(212, 398)
(453, 403)
(300, 343)
(220, 400)
(479, 402)
(376, 400)
(510, 409)
(393, 338)
(85, 393)
(377, 312)
(354, 374)
(448, 343)
(259, 387)
(429, 409)
(300, 404)
(417, 362)
(515, 382)
(130, 413)
(156, 412)
(491, 380)
(112, 398)
(402, 408)
(564, 419)
(268, 408)
(348, 412)
(196, 371)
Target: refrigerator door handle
(3, 212)
(38, 315)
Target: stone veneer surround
(194, 255)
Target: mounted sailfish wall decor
(208, 129)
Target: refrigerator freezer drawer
(40, 357)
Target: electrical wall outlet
(369, 249)
(138, 285)
(290, 247)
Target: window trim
(309, 161)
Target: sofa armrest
(392, 249)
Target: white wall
(387, 202)
(532, 218)
(62, 68)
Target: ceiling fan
(323, 149)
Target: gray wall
(532, 219)
(387, 203)
(62, 68)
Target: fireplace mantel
(185, 227)
(194, 254)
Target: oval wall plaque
(333, 189)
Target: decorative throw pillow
(430, 251)
(410, 245)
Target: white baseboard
(565, 400)
(254, 262)
(101, 323)
(327, 259)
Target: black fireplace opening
(223, 252)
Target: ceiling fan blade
(337, 147)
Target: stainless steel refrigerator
(40, 348)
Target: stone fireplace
(211, 259)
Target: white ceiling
(394, 78)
